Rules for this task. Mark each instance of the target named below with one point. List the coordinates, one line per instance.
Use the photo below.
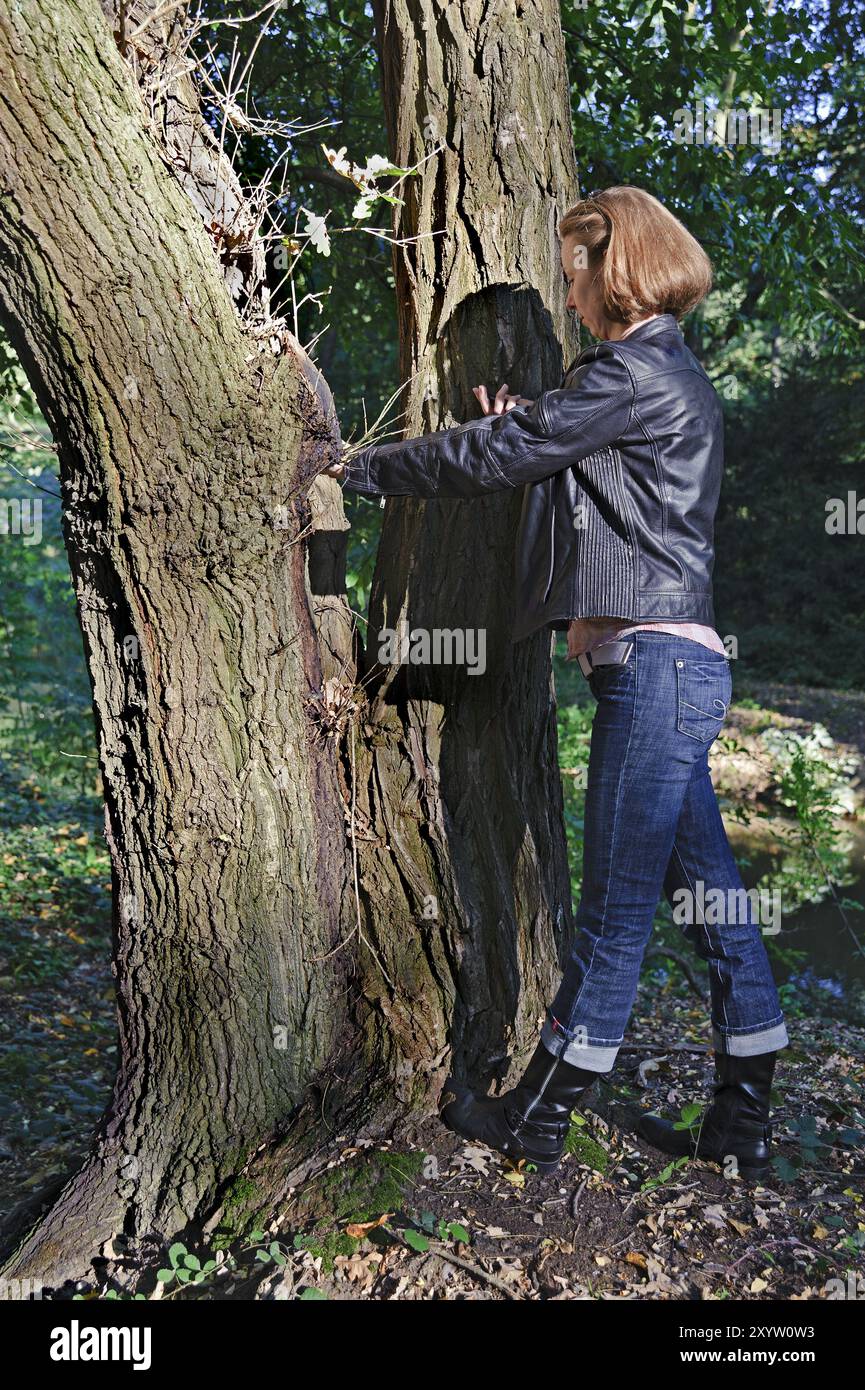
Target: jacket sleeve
(497, 452)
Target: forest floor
(617, 1220)
(438, 1218)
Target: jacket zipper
(552, 542)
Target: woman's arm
(502, 451)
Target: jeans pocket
(703, 690)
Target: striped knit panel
(605, 558)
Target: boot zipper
(532, 1103)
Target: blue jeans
(652, 825)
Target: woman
(621, 467)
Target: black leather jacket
(621, 467)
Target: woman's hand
(335, 470)
(502, 403)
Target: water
(817, 928)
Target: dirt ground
(611, 1223)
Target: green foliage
(415, 1239)
(46, 724)
(690, 1114)
(315, 64)
(184, 1268)
(358, 1192)
(791, 592)
(808, 1147)
(273, 1252)
(816, 858)
(783, 235)
(57, 1024)
(438, 1227)
(665, 1175)
(574, 724)
(365, 516)
(585, 1147)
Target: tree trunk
(461, 785)
(186, 446)
(308, 887)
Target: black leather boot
(736, 1122)
(531, 1121)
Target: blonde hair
(647, 261)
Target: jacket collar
(664, 323)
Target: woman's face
(584, 292)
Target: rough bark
(186, 448)
(462, 788)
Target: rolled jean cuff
(750, 1044)
(589, 1056)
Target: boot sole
(756, 1174)
(542, 1165)
(753, 1172)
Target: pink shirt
(585, 633)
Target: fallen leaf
(658, 1279)
(474, 1157)
(646, 1068)
(360, 1228)
(715, 1216)
(357, 1267)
